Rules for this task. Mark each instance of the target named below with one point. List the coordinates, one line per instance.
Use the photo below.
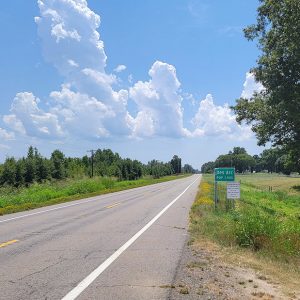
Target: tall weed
(255, 228)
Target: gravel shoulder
(208, 271)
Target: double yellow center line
(113, 205)
(2, 245)
(8, 243)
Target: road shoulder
(208, 271)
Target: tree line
(270, 160)
(36, 168)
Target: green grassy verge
(38, 195)
(266, 222)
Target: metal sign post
(222, 174)
(216, 194)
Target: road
(124, 245)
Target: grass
(38, 195)
(267, 223)
(284, 198)
(278, 183)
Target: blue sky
(157, 81)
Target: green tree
(224, 160)
(258, 163)
(238, 150)
(43, 171)
(29, 166)
(20, 172)
(208, 167)
(75, 168)
(176, 164)
(158, 169)
(58, 165)
(238, 158)
(86, 163)
(137, 169)
(8, 175)
(30, 152)
(284, 164)
(268, 159)
(243, 162)
(103, 160)
(29, 174)
(114, 171)
(188, 169)
(274, 112)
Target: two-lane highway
(124, 245)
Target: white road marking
(74, 293)
(74, 204)
(47, 210)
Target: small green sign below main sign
(224, 174)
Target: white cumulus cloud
(120, 68)
(251, 86)
(68, 30)
(159, 104)
(214, 120)
(89, 104)
(5, 135)
(28, 118)
(81, 114)
(59, 32)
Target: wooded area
(270, 160)
(36, 168)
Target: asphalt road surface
(124, 245)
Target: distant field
(263, 181)
(38, 195)
(282, 199)
(264, 221)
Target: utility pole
(92, 158)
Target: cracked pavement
(58, 249)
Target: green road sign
(224, 174)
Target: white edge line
(44, 211)
(75, 292)
(82, 201)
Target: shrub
(255, 228)
(108, 182)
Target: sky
(148, 79)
